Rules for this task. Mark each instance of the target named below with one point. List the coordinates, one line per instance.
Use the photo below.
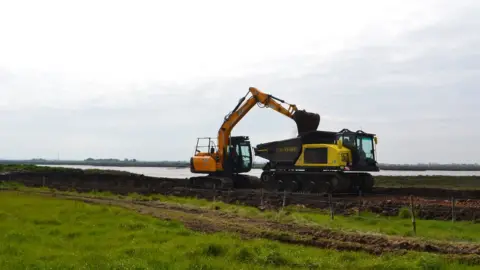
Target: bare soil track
(389, 202)
(210, 221)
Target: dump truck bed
(287, 151)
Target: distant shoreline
(183, 164)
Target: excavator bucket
(306, 121)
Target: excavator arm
(305, 121)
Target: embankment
(384, 201)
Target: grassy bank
(363, 222)
(25, 168)
(9, 168)
(50, 233)
(460, 231)
(445, 182)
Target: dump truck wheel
(339, 183)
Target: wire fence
(372, 207)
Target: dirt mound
(113, 181)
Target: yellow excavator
(314, 161)
(225, 158)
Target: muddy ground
(386, 205)
(383, 201)
(210, 221)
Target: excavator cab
(239, 155)
(362, 146)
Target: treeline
(185, 164)
(109, 160)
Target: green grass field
(459, 231)
(49, 233)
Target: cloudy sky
(143, 79)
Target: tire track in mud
(211, 221)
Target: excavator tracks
(211, 182)
(291, 181)
(223, 182)
(316, 182)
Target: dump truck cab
(362, 147)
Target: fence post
(43, 181)
(284, 198)
(215, 192)
(261, 198)
(412, 210)
(330, 205)
(453, 209)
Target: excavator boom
(305, 121)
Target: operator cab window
(246, 155)
(348, 140)
(365, 144)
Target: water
(185, 172)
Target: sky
(144, 79)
